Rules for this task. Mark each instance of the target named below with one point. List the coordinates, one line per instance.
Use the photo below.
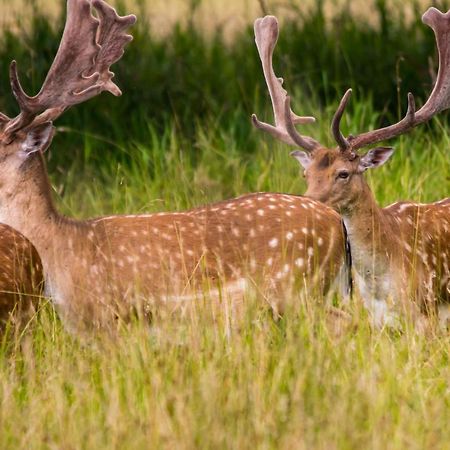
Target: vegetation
(179, 137)
(191, 80)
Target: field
(209, 15)
(179, 137)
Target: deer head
(335, 175)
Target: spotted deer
(402, 252)
(103, 268)
(21, 277)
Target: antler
(266, 36)
(80, 71)
(438, 101)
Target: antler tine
(438, 100)
(266, 36)
(440, 96)
(80, 71)
(336, 122)
(112, 39)
(382, 134)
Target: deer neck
(370, 235)
(365, 222)
(373, 250)
(29, 208)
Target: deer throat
(374, 280)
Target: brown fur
(425, 229)
(21, 277)
(102, 268)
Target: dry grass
(231, 15)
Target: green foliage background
(191, 78)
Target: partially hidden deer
(401, 253)
(103, 268)
(21, 278)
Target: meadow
(179, 137)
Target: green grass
(228, 382)
(171, 172)
(193, 79)
(195, 385)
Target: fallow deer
(402, 252)
(101, 268)
(21, 277)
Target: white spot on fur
(299, 262)
(273, 242)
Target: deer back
(263, 240)
(424, 240)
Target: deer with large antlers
(21, 277)
(400, 252)
(102, 268)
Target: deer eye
(343, 174)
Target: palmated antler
(266, 36)
(81, 69)
(438, 101)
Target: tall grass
(194, 384)
(181, 137)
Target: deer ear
(302, 157)
(375, 157)
(38, 139)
